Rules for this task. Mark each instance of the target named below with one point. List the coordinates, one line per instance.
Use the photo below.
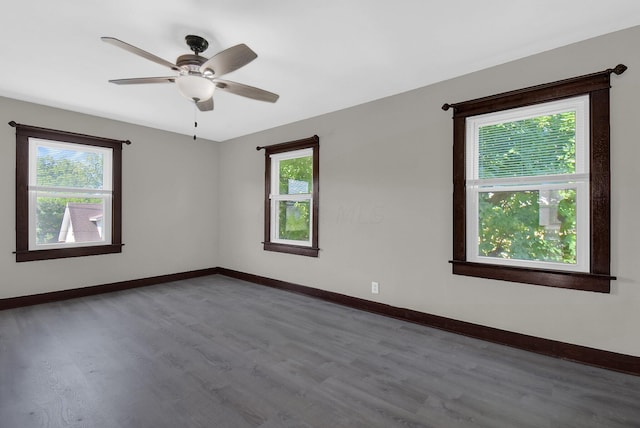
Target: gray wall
(385, 205)
(169, 205)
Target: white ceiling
(319, 56)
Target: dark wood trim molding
(54, 296)
(600, 184)
(69, 137)
(291, 249)
(600, 283)
(292, 145)
(536, 94)
(581, 354)
(59, 253)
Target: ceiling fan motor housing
(190, 62)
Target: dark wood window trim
(595, 85)
(23, 133)
(314, 144)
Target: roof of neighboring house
(82, 219)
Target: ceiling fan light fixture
(196, 88)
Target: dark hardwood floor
(219, 352)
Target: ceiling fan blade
(138, 80)
(144, 54)
(229, 60)
(246, 91)
(206, 105)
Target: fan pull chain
(195, 120)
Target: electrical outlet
(375, 287)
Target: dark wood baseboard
(54, 296)
(581, 354)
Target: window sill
(550, 278)
(61, 253)
(291, 249)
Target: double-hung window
(291, 197)
(531, 184)
(527, 190)
(67, 194)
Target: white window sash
(277, 197)
(582, 228)
(578, 104)
(292, 154)
(107, 153)
(70, 192)
(294, 197)
(540, 180)
(106, 224)
(275, 223)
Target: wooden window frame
(306, 143)
(23, 253)
(596, 86)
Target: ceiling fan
(199, 76)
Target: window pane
(528, 225)
(294, 220)
(64, 220)
(296, 175)
(69, 168)
(542, 145)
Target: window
(532, 183)
(291, 197)
(68, 194)
(527, 190)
